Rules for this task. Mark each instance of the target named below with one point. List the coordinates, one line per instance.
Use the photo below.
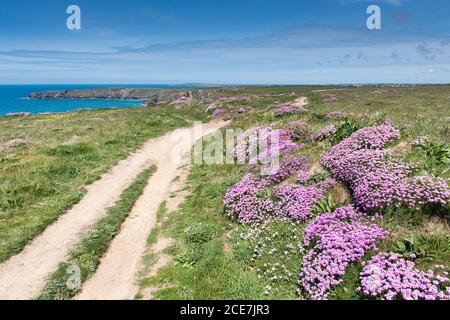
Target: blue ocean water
(13, 98)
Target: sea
(13, 98)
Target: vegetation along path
(23, 276)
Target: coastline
(27, 113)
(19, 100)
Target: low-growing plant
(437, 156)
(345, 130)
(327, 204)
(199, 233)
(320, 176)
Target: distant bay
(13, 98)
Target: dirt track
(23, 275)
(116, 276)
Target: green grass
(63, 153)
(87, 254)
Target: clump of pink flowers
(336, 114)
(263, 142)
(289, 109)
(389, 276)
(218, 112)
(296, 129)
(336, 240)
(297, 201)
(376, 179)
(325, 133)
(287, 166)
(330, 99)
(271, 166)
(303, 177)
(242, 200)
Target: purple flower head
(337, 240)
(330, 99)
(325, 133)
(389, 276)
(218, 112)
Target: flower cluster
(376, 179)
(389, 276)
(336, 114)
(303, 177)
(330, 99)
(218, 112)
(297, 201)
(325, 133)
(260, 144)
(296, 129)
(277, 242)
(288, 109)
(337, 239)
(242, 200)
(288, 166)
(248, 142)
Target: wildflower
(336, 114)
(336, 240)
(325, 133)
(389, 276)
(330, 99)
(375, 178)
(218, 112)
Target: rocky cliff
(150, 96)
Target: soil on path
(116, 276)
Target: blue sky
(225, 41)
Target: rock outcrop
(149, 96)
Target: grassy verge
(87, 254)
(61, 154)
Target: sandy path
(23, 275)
(116, 276)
